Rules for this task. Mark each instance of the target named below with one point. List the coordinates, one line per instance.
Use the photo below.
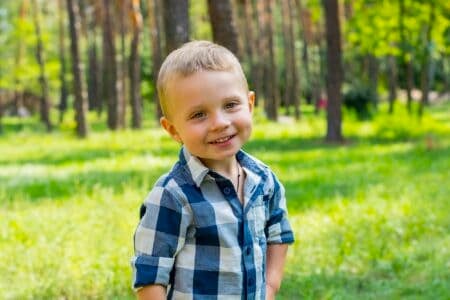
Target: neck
(226, 167)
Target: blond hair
(194, 57)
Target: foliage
(370, 217)
(360, 98)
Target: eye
(197, 115)
(231, 105)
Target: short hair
(194, 57)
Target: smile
(222, 140)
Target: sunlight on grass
(371, 217)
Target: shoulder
(170, 185)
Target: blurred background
(352, 113)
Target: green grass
(371, 217)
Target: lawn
(371, 217)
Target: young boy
(215, 226)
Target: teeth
(222, 140)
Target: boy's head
(205, 100)
(191, 58)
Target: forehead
(204, 86)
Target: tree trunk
(111, 90)
(260, 49)
(392, 77)
(45, 101)
(80, 103)
(409, 83)
(135, 67)
(62, 106)
(93, 73)
(404, 54)
(176, 23)
(373, 77)
(222, 24)
(425, 77)
(304, 22)
(292, 78)
(334, 71)
(154, 15)
(272, 101)
(122, 13)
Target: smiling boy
(215, 226)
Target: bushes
(360, 98)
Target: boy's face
(210, 112)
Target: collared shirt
(199, 240)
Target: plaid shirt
(196, 238)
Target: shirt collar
(199, 171)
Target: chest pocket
(258, 216)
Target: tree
(292, 89)
(94, 82)
(155, 24)
(121, 13)
(267, 47)
(63, 94)
(334, 71)
(405, 55)
(110, 84)
(425, 76)
(392, 81)
(80, 103)
(44, 99)
(222, 23)
(135, 63)
(176, 23)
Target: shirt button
(226, 190)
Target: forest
(352, 111)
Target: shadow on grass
(34, 189)
(83, 155)
(342, 285)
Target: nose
(219, 121)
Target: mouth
(222, 139)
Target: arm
(276, 255)
(152, 292)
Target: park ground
(371, 216)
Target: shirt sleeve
(158, 238)
(278, 230)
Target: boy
(215, 226)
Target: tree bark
(334, 71)
(122, 13)
(135, 67)
(392, 75)
(44, 99)
(373, 77)
(260, 49)
(425, 77)
(272, 101)
(176, 23)
(405, 54)
(292, 79)
(110, 84)
(93, 82)
(156, 28)
(222, 24)
(80, 103)
(62, 106)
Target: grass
(371, 217)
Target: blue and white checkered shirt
(196, 238)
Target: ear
(170, 128)
(251, 100)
